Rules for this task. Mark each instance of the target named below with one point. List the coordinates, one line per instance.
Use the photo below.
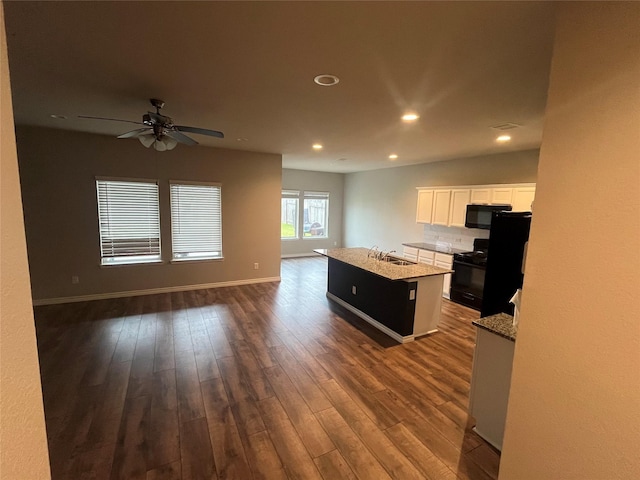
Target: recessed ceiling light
(326, 80)
(503, 138)
(410, 117)
(393, 156)
(59, 117)
(316, 146)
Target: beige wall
(574, 407)
(58, 170)
(316, 182)
(23, 440)
(380, 205)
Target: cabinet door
(458, 211)
(501, 195)
(444, 260)
(426, 256)
(523, 199)
(441, 202)
(410, 253)
(425, 206)
(480, 195)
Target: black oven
(467, 281)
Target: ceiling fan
(159, 130)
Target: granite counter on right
(491, 376)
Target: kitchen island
(402, 299)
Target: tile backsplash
(456, 237)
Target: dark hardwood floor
(260, 381)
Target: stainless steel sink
(397, 261)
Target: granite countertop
(435, 248)
(500, 324)
(358, 258)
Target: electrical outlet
(75, 279)
(256, 266)
(335, 244)
(353, 289)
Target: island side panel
(386, 301)
(428, 305)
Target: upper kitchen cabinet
(501, 195)
(460, 198)
(441, 207)
(522, 199)
(425, 206)
(480, 195)
(448, 206)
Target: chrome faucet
(383, 256)
(373, 252)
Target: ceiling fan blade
(179, 137)
(110, 119)
(201, 131)
(136, 133)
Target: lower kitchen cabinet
(444, 260)
(490, 383)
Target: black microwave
(479, 215)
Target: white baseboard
(295, 255)
(383, 328)
(136, 293)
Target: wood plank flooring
(260, 381)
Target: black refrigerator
(507, 239)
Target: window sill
(196, 260)
(132, 264)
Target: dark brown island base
(399, 297)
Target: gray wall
(380, 205)
(58, 170)
(319, 182)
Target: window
(129, 221)
(316, 214)
(289, 214)
(196, 221)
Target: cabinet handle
(469, 296)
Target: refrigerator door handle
(524, 256)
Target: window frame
(316, 195)
(292, 194)
(126, 260)
(208, 256)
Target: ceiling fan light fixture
(170, 143)
(147, 140)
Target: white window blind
(129, 220)
(196, 221)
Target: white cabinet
(426, 256)
(490, 382)
(441, 202)
(480, 195)
(501, 195)
(458, 208)
(522, 199)
(444, 260)
(425, 206)
(410, 253)
(448, 206)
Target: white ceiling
(247, 68)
